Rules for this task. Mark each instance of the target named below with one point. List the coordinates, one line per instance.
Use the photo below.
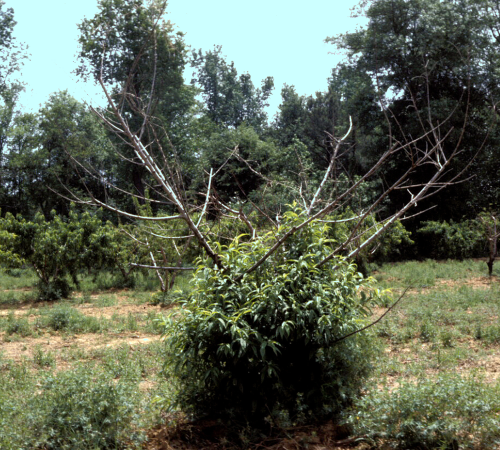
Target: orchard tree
(281, 310)
(58, 249)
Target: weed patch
(449, 412)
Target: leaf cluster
(272, 342)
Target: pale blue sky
(283, 39)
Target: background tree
(11, 57)
(41, 152)
(230, 100)
(137, 52)
(431, 61)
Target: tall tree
(42, 151)
(230, 99)
(11, 57)
(431, 61)
(130, 46)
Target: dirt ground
(179, 434)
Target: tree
(42, 150)
(432, 61)
(57, 249)
(286, 263)
(11, 57)
(231, 100)
(130, 45)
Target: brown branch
(373, 323)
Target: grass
(441, 342)
(436, 385)
(425, 274)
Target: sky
(279, 38)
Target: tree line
(420, 62)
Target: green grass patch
(450, 412)
(17, 278)
(425, 273)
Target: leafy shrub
(450, 412)
(18, 325)
(49, 290)
(271, 343)
(87, 410)
(455, 240)
(64, 318)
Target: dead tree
(426, 150)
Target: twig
(376, 321)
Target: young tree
(58, 249)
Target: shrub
(271, 343)
(87, 410)
(450, 412)
(19, 325)
(455, 240)
(64, 318)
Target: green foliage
(64, 318)
(88, 410)
(43, 148)
(386, 247)
(441, 58)
(59, 248)
(43, 359)
(454, 240)
(231, 100)
(269, 344)
(19, 326)
(450, 412)
(235, 180)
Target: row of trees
(424, 61)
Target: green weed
(18, 325)
(447, 413)
(65, 318)
(43, 359)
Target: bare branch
(330, 167)
(162, 267)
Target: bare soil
(20, 348)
